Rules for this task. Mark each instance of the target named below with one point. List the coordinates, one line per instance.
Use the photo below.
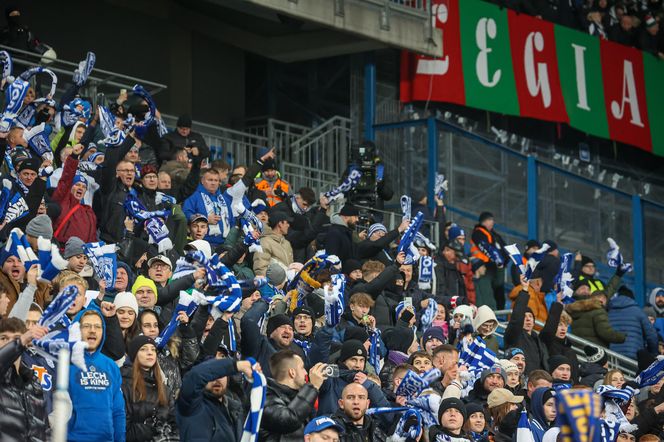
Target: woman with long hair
(127, 311)
(615, 378)
(503, 407)
(178, 354)
(476, 425)
(149, 408)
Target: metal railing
(100, 81)
(628, 366)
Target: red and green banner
(514, 64)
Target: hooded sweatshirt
(98, 405)
(484, 314)
(539, 424)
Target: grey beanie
(275, 274)
(73, 247)
(40, 225)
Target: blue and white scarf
(346, 186)
(375, 349)
(406, 242)
(84, 69)
(440, 186)
(74, 111)
(219, 207)
(186, 303)
(257, 402)
(406, 206)
(62, 333)
(429, 314)
(564, 278)
(113, 136)
(425, 273)
(427, 405)
(517, 258)
(334, 300)
(26, 118)
(7, 66)
(103, 259)
(153, 222)
(17, 245)
(413, 384)
(15, 94)
(523, 431)
(13, 205)
(652, 374)
(27, 75)
(614, 400)
(219, 277)
(414, 430)
(38, 140)
(615, 259)
(476, 355)
(51, 263)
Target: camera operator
(374, 188)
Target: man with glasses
(587, 270)
(114, 193)
(98, 405)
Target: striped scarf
(103, 259)
(334, 300)
(153, 222)
(62, 333)
(406, 242)
(348, 184)
(375, 350)
(413, 384)
(257, 400)
(186, 303)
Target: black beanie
(136, 344)
(596, 355)
(476, 407)
(558, 360)
(398, 338)
(351, 264)
(277, 321)
(356, 333)
(586, 260)
(451, 402)
(352, 348)
(304, 310)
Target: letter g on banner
(486, 28)
(537, 78)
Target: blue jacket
(626, 316)
(200, 415)
(194, 204)
(98, 405)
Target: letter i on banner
(441, 78)
(625, 94)
(536, 68)
(581, 80)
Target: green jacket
(591, 322)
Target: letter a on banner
(436, 79)
(536, 68)
(625, 94)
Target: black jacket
(286, 412)
(173, 141)
(339, 242)
(146, 416)
(202, 417)
(370, 431)
(376, 250)
(449, 279)
(548, 267)
(23, 414)
(555, 345)
(533, 348)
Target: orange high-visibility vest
(475, 251)
(265, 186)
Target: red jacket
(83, 222)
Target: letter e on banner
(440, 78)
(536, 68)
(625, 94)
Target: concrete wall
(204, 77)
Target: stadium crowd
(203, 301)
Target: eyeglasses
(91, 326)
(125, 170)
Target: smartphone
(407, 302)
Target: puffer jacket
(286, 412)
(142, 415)
(626, 316)
(591, 322)
(275, 248)
(23, 414)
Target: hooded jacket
(275, 248)
(484, 314)
(626, 316)
(96, 395)
(23, 414)
(538, 422)
(194, 204)
(591, 322)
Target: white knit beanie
(126, 299)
